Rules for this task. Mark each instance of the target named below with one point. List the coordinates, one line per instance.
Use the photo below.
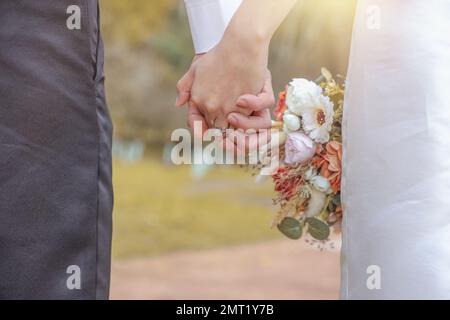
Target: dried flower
(310, 173)
(308, 132)
(316, 203)
(281, 106)
(285, 184)
(329, 163)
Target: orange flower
(328, 162)
(281, 106)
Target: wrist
(252, 40)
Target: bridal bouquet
(307, 181)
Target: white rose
(292, 122)
(302, 94)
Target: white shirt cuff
(208, 20)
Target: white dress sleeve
(208, 20)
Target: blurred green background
(161, 208)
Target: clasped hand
(225, 88)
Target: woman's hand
(253, 131)
(257, 106)
(259, 119)
(213, 84)
(236, 66)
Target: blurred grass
(160, 208)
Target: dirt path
(273, 270)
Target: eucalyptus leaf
(318, 229)
(291, 228)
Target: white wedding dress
(396, 180)
(396, 168)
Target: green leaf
(291, 228)
(318, 229)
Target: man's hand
(213, 83)
(184, 85)
(258, 120)
(257, 105)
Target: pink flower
(298, 148)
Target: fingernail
(242, 102)
(232, 118)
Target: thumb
(184, 86)
(265, 99)
(259, 120)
